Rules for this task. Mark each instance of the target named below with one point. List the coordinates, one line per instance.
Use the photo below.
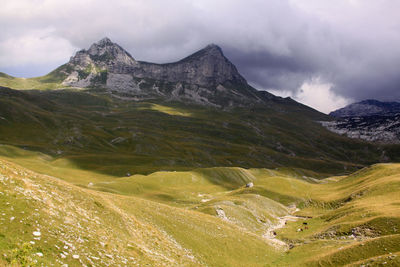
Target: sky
(323, 53)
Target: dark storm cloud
(350, 48)
(267, 70)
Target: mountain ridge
(368, 107)
(153, 125)
(206, 77)
(370, 120)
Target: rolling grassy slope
(49, 81)
(201, 217)
(185, 202)
(110, 229)
(97, 132)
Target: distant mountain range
(371, 120)
(206, 77)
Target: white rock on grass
(250, 185)
(37, 233)
(40, 254)
(75, 257)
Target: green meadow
(206, 216)
(90, 179)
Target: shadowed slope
(105, 134)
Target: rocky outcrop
(206, 77)
(207, 67)
(368, 108)
(378, 129)
(105, 54)
(369, 120)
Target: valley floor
(204, 217)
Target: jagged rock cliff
(371, 120)
(205, 77)
(207, 67)
(368, 107)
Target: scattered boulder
(37, 233)
(249, 185)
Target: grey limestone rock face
(122, 82)
(368, 108)
(101, 56)
(207, 67)
(380, 129)
(370, 120)
(206, 77)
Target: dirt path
(270, 233)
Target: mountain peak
(213, 48)
(105, 41)
(106, 47)
(379, 103)
(369, 107)
(214, 51)
(104, 55)
(103, 45)
(210, 51)
(206, 76)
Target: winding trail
(270, 233)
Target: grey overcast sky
(323, 53)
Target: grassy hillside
(97, 132)
(202, 217)
(49, 81)
(87, 178)
(102, 228)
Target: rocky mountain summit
(368, 107)
(206, 77)
(371, 120)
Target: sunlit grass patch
(170, 110)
